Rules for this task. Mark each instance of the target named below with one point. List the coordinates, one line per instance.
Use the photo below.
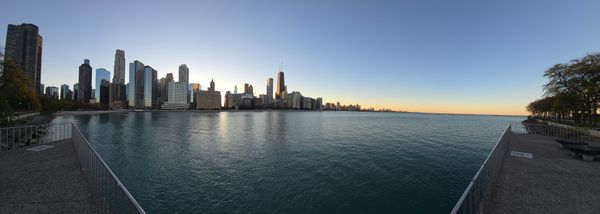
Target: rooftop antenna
(281, 67)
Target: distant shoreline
(95, 112)
(502, 115)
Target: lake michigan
(293, 162)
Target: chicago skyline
(452, 57)
(145, 90)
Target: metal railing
(477, 196)
(555, 131)
(111, 194)
(22, 136)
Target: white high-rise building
(177, 98)
(294, 100)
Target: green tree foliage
(49, 104)
(572, 91)
(15, 91)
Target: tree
(15, 91)
(575, 87)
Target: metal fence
(555, 131)
(477, 196)
(22, 136)
(112, 196)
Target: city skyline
(376, 54)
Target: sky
(475, 57)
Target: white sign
(521, 154)
(40, 148)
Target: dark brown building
(24, 47)
(85, 82)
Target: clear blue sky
(437, 56)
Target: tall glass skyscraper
(149, 88)
(269, 98)
(64, 91)
(134, 93)
(131, 86)
(101, 74)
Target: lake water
(293, 162)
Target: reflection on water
(293, 162)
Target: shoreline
(95, 112)
(91, 112)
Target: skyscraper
(136, 74)
(184, 76)
(24, 47)
(119, 67)
(52, 91)
(149, 88)
(294, 100)
(280, 85)
(209, 99)
(76, 91)
(101, 74)
(319, 104)
(228, 98)
(248, 89)
(102, 92)
(195, 87)
(169, 77)
(42, 88)
(117, 87)
(85, 82)
(162, 91)
(177, 96)
(184, 73)
(64, 91)
(270, 87)
(269, 98)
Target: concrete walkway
(551, 182)
(48, 181)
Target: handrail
(490, 170)
(111, 194)
(559, 131)
(27, 135)
(100, 190)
